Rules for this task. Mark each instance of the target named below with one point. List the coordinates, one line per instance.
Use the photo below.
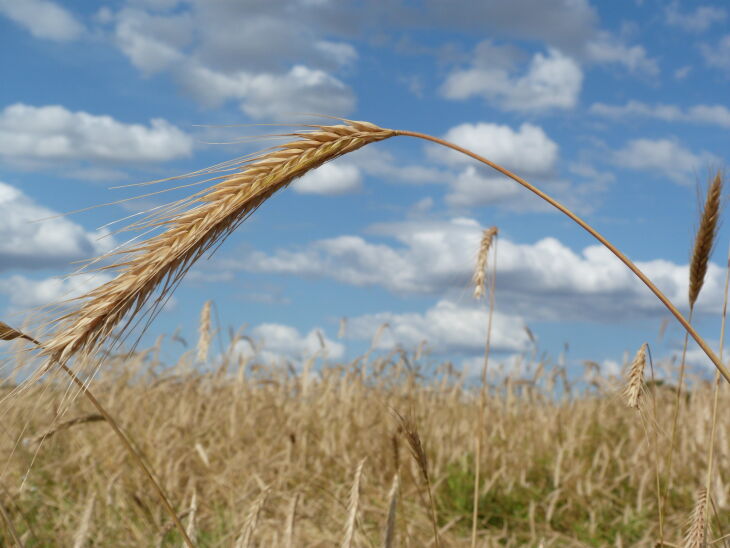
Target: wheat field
(105, 446)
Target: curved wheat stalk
(157, 265)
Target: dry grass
(566, 470)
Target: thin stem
(677, 405)
(717, 381)
(593, 232)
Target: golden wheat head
(156, 266)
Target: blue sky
(617, 109)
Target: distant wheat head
(698, 522)
(480, 271)
(155, 266)
(635, 381)
(205, 334)
(705, 238)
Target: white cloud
(25, 293)
(30, 134)
(477, 186)
(43, 19)
(607, 48)
(666, 157)
(550, 81)
(527, 149)
(700, 114)
(329, 179)
(544, 280)
(30, 243)
(447, 327)
(269, 95)
(153, 42)
(273, 65)
(275, 342)
(718, 55)
(696, 21)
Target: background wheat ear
(480, 270)
(635, 378)
(204, 332)
(705, 238)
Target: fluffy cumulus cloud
(273, 342)
(272, 62)
(448, 327)
(39, 135)
(527, 149)
(330, 179)
(30, 242)
(544, 280)
(665, 157)
(268, 95)
(697, 20)
(551, 80)
(700, 114)
(43, 19)
(25, 293)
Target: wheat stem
(593, 232)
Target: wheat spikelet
(82, 533)
(290, 521)
(205, 334)
(410, 430)
(635, 378)
(705, 238)
(480, 272)
(192, 227)
(389, 534)
(352, 508)
(698, 522)
(245, 540)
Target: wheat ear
(389, 533)
(635, 380)
(204, 332)
(410, 431)
(705, 238)
(480, 271)
(352, 507)
(698, 522)
(159, 262)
